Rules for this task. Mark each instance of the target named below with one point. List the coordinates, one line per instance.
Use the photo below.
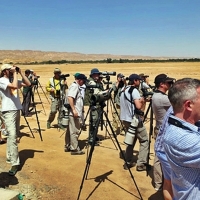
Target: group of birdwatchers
(175, 104)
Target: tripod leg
(123, 155)
(110, 136)
(146, 114)
(29, 127)
(115, 110)
(150, 133)
(39, 130)
(43, 92)
(89, 158)
(41, 101)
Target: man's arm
(139, 103)
(71, 103)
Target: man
(53, 87)
(82, 88)
(117, 86)
(11, 107)
(160, 104)
(27, 94)
(75, 100)
(130, 103)
(182, 139)
(94, 113)
(160, 153)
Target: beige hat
(57, 70)
(6, 66)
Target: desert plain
(47, 172)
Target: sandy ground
(47, 172)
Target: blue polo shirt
(182, 148)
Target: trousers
(141, 135)
(116, 124)
(12, 123)
(55, 103)
(26, 103)
(72, 133)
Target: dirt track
(47, 172)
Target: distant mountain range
(24, 56)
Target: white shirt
(127, 108)
(10, 97)
(75, 92)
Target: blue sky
(121, 27)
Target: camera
(65, 116)
(63, 76)
(108, 73)
(146, 93)
(17, 69)
(125, 78)
(102, 96)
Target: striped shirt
(182, 148)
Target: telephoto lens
(65, 119)
(130, 135)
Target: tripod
(30, 96)
(150, 129)
(36, 88)
(89, 158)
(42, 90)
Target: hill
(24, 56)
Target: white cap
(6, 66)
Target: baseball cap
(57, 70)
(81, 77)
(95, 71)
(120, 75)
(143, 75)
(6, 66)
(28, 71)
(76, 74)
(134, 77)
(161, 78)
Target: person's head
(94, 74)
(184, 96)
(163, 82)
(81, 79)
(76, 74)
(134, 79)
(57, 73)
(27, 72)
(5, 70)
(120, 77)
(143, 76)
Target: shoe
(143, 167)
(13, 170)
(61, 127)
(129, 165)
(8, 161)
(67, 150)
(28, 115)
(77, 152)
(48, 125)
